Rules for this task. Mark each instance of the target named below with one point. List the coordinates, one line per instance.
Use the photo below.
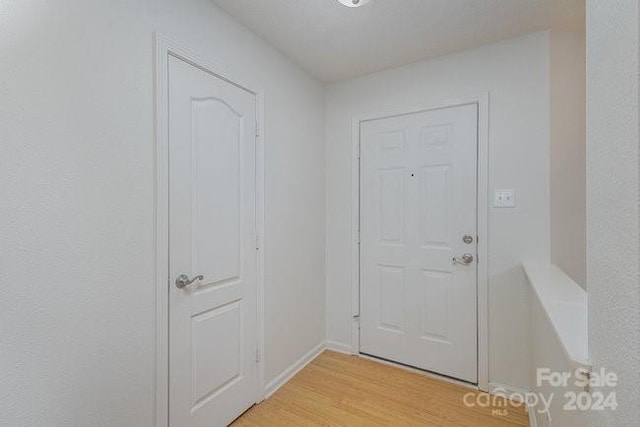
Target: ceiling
(334, 42)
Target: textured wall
(613, 229)
(77, 191)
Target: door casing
(163, 47)
(482, 101)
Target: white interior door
(418, 202)
(213, 372)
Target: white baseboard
(339, 347)
(533, 421)
(289, 373)
(495, 388)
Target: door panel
(213, 373)
(434, 195)
(215, 367)
(391, 185)
(418, 200)
(435, 287)
(216, 178)
(391, 296)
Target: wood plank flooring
(340, 390)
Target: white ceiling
(334, 42)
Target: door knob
(183, 280)
(465, 259)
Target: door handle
(465, 259)
(183, 280)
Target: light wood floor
(341, 390)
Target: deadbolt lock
(468, 239)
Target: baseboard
(289, 373)
(509, 391)
(339, 347)
(515, 393)
(533, 421)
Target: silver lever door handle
(465, 259)
(183, 280)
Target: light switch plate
(505, 198)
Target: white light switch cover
(505, 198)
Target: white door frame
(164, 47)
(482, 102)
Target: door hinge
(257, 129)
(257, 355)
(358, 237)
(257, 243)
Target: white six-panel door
(418, 202)
(213, 372)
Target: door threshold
(430, 374)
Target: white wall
(558, 345)
(516, 73)
(547, 352)
(76, 260)
(568, 154)
(613, 214)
